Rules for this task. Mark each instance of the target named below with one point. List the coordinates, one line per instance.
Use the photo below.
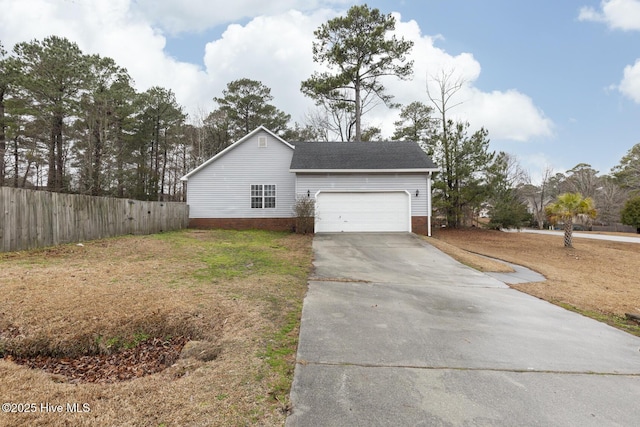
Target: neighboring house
(357, 186)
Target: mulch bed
(148, 357)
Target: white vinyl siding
(222, 188)
(370, 182)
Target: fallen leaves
(148, 357)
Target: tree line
(72, 122)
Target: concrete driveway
(395, 333)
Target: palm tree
(568, 206)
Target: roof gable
(234, 145)
(360, 156)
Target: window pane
(256, 196)
(269, 196)
(269, 202)
(256, 191)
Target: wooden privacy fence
(32, 219)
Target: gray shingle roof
(359, 156)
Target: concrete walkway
(395, 333)
(520, 275)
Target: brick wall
(274, 224)
(419, 224)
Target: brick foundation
(419, 224)
(273, 224)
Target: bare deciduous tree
(610, 198)
(447, 86)
(538, 196)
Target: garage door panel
(363, 212)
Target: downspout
(429, 204)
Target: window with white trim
(263, 196)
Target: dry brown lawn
(238, 295)
(596, 277)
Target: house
(357, 186)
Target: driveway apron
(395, 332)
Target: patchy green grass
(240, 292)
(229, 254)
(280, 355)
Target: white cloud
(198, 15)
(507, 115)
(617, 14)
(107, 28)
(272, 48)
(630, 84)
(620, 15)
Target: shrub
(305, 210)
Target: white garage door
(362, 212)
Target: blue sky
(547, 78)
(566, 65)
